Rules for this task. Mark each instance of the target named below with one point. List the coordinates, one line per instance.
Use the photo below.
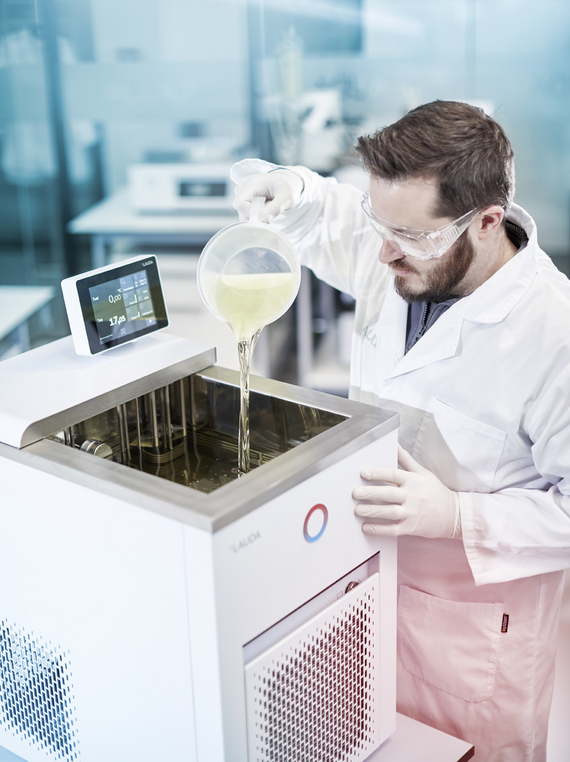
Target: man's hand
(413, 501)
(282, 189)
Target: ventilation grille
(313, 696)
(36, 700)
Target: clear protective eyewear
(420, 244)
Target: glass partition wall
(379, 58)
(49, 165)
(31, 248)
(49, 160)
(90, 87)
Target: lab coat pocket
(453, 646)
(463, 452)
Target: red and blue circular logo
(315, 522)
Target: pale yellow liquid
(250, 302)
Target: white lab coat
(484, 399)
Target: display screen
(122, 304)
(201, 189)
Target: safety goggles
(421, 244)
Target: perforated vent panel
(36, 700)
(313, 696)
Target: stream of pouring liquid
(248, 303)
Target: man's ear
(488, 221)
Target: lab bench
(114, 218)
(18, 305)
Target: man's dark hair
(458, 145)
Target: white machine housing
(144, 620)
(163, 188)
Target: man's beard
(443, 279)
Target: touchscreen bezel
(149, 265)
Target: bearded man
(462, 325)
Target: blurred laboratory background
(120, 119)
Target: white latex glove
(414, 501)
(282, 189)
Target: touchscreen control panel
(114, 304)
